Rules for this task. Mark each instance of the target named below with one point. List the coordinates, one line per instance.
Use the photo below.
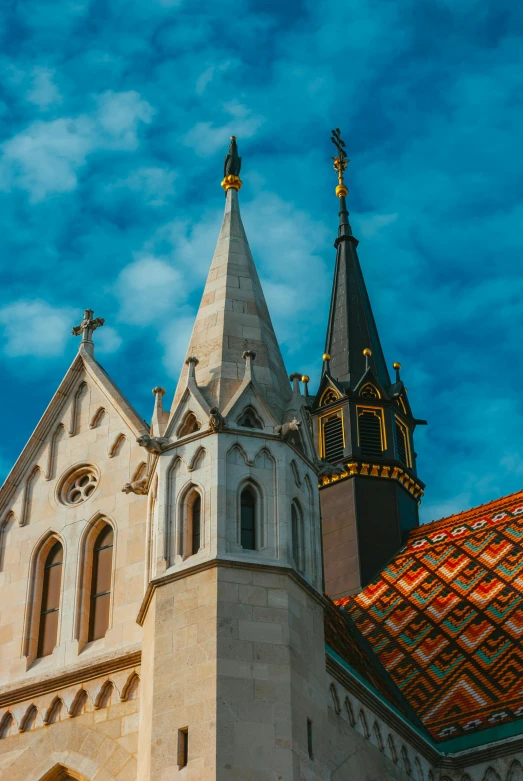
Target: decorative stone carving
(216, 420)
(154, 445)
(326, 469)
(287, 430)
(136, 487)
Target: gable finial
(340, 162)
(232, 167)
(86, 328)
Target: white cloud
(43, 92)
(175, 339)
(45, 158)
(148, 289)
(371, 224)
(35, 328)
(205, 138)
(154, 183)
(107, 340)
(119, 115)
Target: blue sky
(114, 119)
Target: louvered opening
(370, 434)
(333, 439)
(401, 444)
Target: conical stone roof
(232, 318)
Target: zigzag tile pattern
(445, 619)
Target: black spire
(351, 328)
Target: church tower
(363, 429)
(233, 645)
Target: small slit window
(333, 442)
(101, 584)
(248, 519)
(50, 609)
(183, 747)
(310, 747)
(370, 432)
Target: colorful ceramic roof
(445, 619)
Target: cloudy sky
(114, 119)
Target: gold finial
(305, 378)
(340, 162)
(326, 357)
(396, 365)
(367, 352)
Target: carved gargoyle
(287, 430)
(326, 469)
(216, 420)
(154, 445)
(136, 487)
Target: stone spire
(351, 328)
(233, 316)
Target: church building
(239, 589)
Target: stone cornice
(54, 683)
(170, 577)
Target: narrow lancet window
(101, 584)
(196, 523)
(50, 610)
(296, 536)
(248, 519)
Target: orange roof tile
(445, 619)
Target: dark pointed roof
(351, 326)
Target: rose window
(78, 485)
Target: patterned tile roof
(342, 637)
(445, 619)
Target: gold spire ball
(231, 168)
(340, 162)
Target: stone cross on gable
(86, 328)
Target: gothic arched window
(370, 391)
(371, 432)
(101, 584)
(248, 519)
(332, 437)
(190, 539)
(297, 536)
(50, 605)
(250, 418)
(190, 425)
(196, 523)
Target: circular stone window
(78, 485)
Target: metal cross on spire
(340, 162)
(86, 328)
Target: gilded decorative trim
(376, 470)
